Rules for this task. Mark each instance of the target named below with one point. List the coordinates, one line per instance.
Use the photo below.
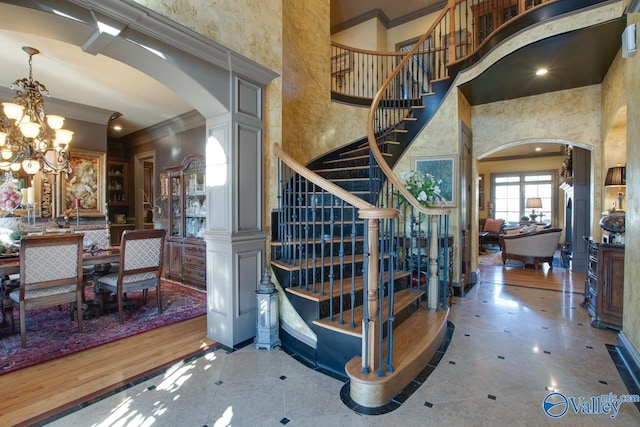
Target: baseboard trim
(630, 357)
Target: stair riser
(347, 163)
(322, 231)
(306, 278)
(344, 173)
(281, 251)
(321, 212)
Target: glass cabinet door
(194, 205)
(175, 206)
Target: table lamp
(534, 203)
(617, 176)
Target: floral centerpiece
(10, 197)
(424, 187)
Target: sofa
(534, 247)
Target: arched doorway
(213, 80)
(533, 160)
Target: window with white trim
(511, 190)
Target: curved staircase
(362, 262)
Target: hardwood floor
(557, 279)
(38, 392)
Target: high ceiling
(348, 12)
(95, 80)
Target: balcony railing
(459, 32)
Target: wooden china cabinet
(185, 192)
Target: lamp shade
(534, 203)
(616, 176)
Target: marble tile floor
(510, 348)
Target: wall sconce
(617, 176)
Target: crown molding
(136, 18)
(175, 125)
(67, 109)
(384, 19)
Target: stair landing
(416, 340)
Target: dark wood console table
(604, 284)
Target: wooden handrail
(320, 181)
(367, 52)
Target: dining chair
(95, 238)
(50, 274)
(141, 254)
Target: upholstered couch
(531, 248)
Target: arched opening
(513, 173)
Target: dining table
(10, 264)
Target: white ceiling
(73, 75)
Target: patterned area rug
(50, 333)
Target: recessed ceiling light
(541, 71)
(117, 127)
(538, 149)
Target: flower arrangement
(425, 188)
(10, 196)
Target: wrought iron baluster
(331, 267)
(314, 225)
(295, 202)
(352, 324)
(341, 255)
(391, 317)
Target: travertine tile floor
(510, 346)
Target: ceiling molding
(384, 19)
(418, 14)
(173, 126)
(70, 110)
(150, 23)
(371, 14)
(520, 157)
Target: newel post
(434, 280)
(370, 324)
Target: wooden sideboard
(604, 287)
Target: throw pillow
(493, 225)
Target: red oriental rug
(50, 333)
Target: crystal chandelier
(29, 138)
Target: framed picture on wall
(85, 184)
(481, 201)
(481, 182)
(441, 167)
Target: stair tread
(346, 159)
(402, 299)
(318, 239)
(349, 179)
(341, 169)
(327, 261)
(358, 285)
